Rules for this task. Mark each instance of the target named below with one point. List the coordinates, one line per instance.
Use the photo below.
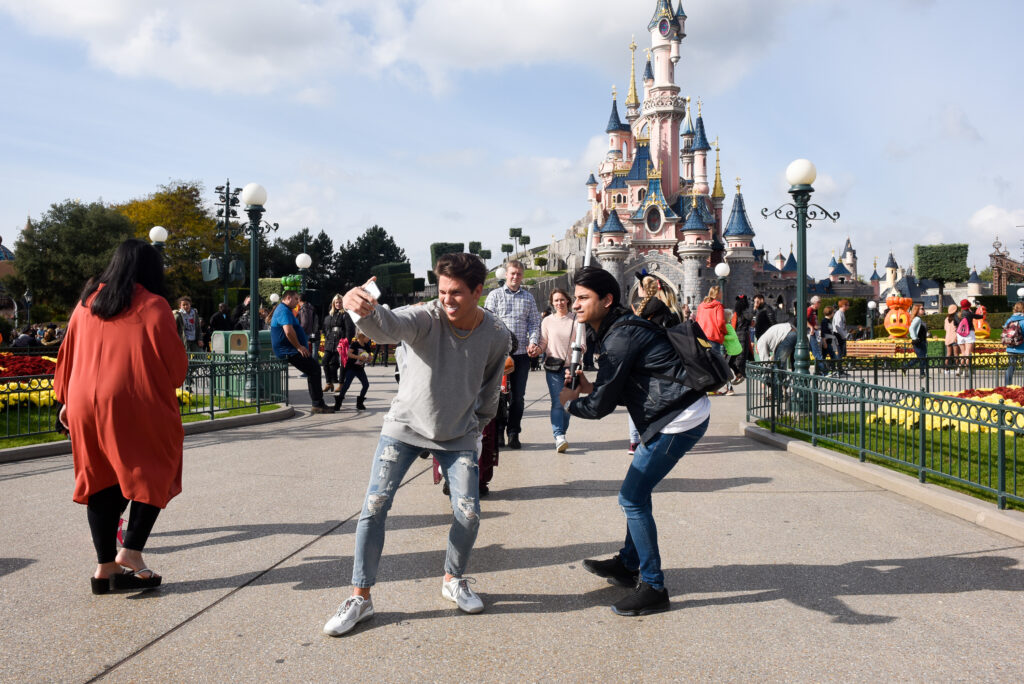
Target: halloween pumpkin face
(982, 330)
(897, 322)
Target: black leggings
(351, 374)
(105, 508)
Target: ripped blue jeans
(390, 464)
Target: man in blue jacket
(641, 370)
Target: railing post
(1001, 494)
(874, 369)
(862, 413)
(773, 396)
(921, 432)
(970, 372)
(211, 386)
(812, 391)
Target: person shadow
(12, 565)
(588, 489)
(233, 534)
(820, 587)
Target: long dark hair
(134, 262)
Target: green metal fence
(873, 409)
(215, 383)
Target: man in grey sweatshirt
(454, 357)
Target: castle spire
(632, 100)
(718, 192)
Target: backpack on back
(706, 369)
(963, 328)
(1012, 335)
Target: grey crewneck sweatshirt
(449, 388)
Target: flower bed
(954, 414)
(16, 366)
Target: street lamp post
(254, 196)
(28, 306)
(722, 270)
(872, 305)
(303, 262)
(800, 174)
(228, 201)
(158, 236)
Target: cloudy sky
(456, 119)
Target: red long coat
(710, 317)
(118, 378)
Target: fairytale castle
(654, 207)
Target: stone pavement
(779, 569)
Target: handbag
(553, 365)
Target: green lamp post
(800, 174)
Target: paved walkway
(779, 569)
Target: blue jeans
(634, 434)
(517, 392)
(651, 463)
(559, 418)
(783, 356)
(820, 365)
(1012, 360)
(390, 463)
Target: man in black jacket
(641, 370)
(764, 317)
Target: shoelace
(347, 604)
(464, 583)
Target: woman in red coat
(710, 317)
(117, 372)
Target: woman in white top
(557, 333)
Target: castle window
(641, 195)
(653, 220)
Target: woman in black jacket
(337, 326)
(641, 370)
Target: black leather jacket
(630, 358)
(336, 326)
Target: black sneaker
(446, 490)
(360, 406)
(613, 570)
(644, 600)
(484, 490)
(513, 441)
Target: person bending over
(454, 357)
(641, 370)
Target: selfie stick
(581, 328)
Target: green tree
(439, 248)
(515, 234)
(278, 259)
(484, 254)
(191, 237)
(541, 261)
(353, 262)
(986, 274)
(62, 249)
(474, 248)
(941, 263)
(506, 248)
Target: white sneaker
(354, 610)
(457, 589)
(561, 444)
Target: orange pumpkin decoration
(897, 318)
(982, 330)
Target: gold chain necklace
(461, 337)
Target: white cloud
(272, 45)
(992, 222)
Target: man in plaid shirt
(517, 309)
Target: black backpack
(706, 369)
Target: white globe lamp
(801, 172)
(254, 195)
(158, 234)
